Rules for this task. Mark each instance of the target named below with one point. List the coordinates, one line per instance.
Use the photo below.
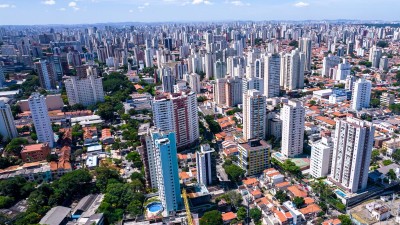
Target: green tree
(345, 219)
(281, 196)
(375, 155)
(375, 102)
(105, 176)
(391, 175)
(235, 198)
(6, 201)
(234, 172)
(241, 213)
(298, 201)
(255, 214)
(135, 208)
(15, 146)
(211, 218)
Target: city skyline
(98, 11)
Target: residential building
(375, 54)
(387, 99)
(344, 70)
(35, 152)
(292, 70)
(321, 157)
(384, 63)
(272, 68)
(292, 116)
(205, 165)
(2, 77)
(166, 165)
(254, 115)
(254, 156)
(85, 91)
(352, 154)
(329, 62)
(177, 112)
(7, 125)
(361, 95)
(306, 47)
(194, 82)
(233, 89)
(41, 119)
(47, 76)
(220, 91)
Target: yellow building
(254, 156)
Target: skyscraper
(321, 157)
(194, 82)
(47, 76)
(306, 47)
(352, 154)
(375, 54)
(148, 58)
(2, 76)
(220, 91)
(361, 95)
(329, 62)
(344, 70)
(272, 68)
(41, 119)
(166, 165)
(292, 116)
(85, 91)
(205, 165)
(7, 125)
(234, 94)
(254, 115)
(177, 112)
(292, 70)
(219, 69)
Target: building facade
(292, 116)
(7, 125)
(254, 115)
(41, 119)
(85, 91)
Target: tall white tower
(41, 119)
(7, 125)
(352, 153)
(254, 115)
(272, 68)
(306, 47)
(292, 70)
(361, 94)
(292, 116)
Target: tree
(234, 172)
(15, 146)
(382, 44)
(375, 155)
(214, 126)
(241, 213)
(235, 198)
(313, 102)
(281, 196)
(298, 201)
(375, 102)
(387, 162)
(396, 155)
(391, 175)
(135, 208)
(255, 214)
(105, 176)
(345, 219)
(211, 218)
(294, 43)
(291, 167)
(6, 201)
(395, 108)
(133, 156)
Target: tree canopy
(211, 218)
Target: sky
(35, 12)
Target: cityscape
(178, 117)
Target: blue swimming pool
(340, 193)
(155, 207)
(278, 154)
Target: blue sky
(21, 12)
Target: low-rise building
(35, 152)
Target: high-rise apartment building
(292, 70)
(292, 116)
(343, 70)
(361, 95)
(148, 58)
(194, 82)
(329, 62)
(41, 119)
(321, 157)
(254, 156)
(47, 76)
(306, 47)
(7, 125)
(205, 165)
(272, 68)
(352, 154)
(86, 91)
(177, 112)
(375, 54)
(220, 91)
(166, 167)
(387, 99)
(2, 76)
(233, 89)
(254, 115)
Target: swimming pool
(155, 207)
(340, 193)
(278, 154)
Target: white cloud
(301, 4)
(72, 4)
(197, 2)
(238, 3)
(49, 2)
(130, 11)
(3, 6)
(62, 9)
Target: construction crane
(186, 201)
